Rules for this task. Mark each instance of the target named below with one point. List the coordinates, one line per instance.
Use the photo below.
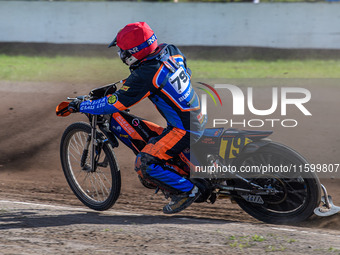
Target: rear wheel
(97, 188)
(298, 193)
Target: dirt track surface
(30, 172)
(48, 229)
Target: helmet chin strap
(130, 60)
(126, 57)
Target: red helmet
(136, 41)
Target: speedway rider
(158, 72)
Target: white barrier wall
(279, 25)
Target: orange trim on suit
(167, 142)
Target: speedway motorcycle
(90, 166)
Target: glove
(74, 105)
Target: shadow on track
(29, 219)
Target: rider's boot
(181, 201)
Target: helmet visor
(113, 43)
(123, 54)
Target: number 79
(181, 77)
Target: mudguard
(254, 146)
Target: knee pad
(154, 171)
(143, 160)
(146, 160)
(141, 164)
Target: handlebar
(98, 92)
(103, 91)
(78, 97)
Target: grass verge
(104, 70)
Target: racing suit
(164, 78)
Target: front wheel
(97, 188)
(298, 194)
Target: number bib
(176, 85)
(179, 80)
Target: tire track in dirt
(36, 228)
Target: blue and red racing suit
(164, 78)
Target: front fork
(92, 143)
(94, 157)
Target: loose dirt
(30, 172)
